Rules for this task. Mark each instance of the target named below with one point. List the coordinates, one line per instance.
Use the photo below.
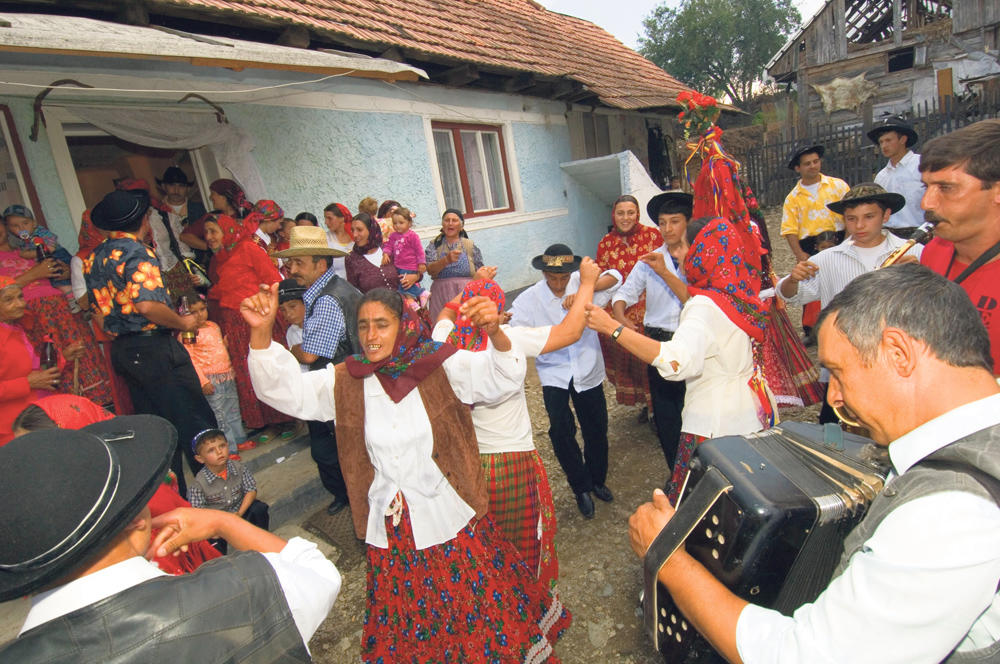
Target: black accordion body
(767, 515)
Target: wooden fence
(850, 155)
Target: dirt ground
(600, 578)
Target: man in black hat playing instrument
(126, 289)
(901, 175)
(95, 597)
(575, 372)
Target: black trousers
(668, 402)
(323, 448)
(162, 381)
(586, 469)
(258, 514)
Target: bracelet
(617, 333)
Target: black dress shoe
(603, 492)
(586, 504)
(337, 505)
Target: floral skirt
(50, 315)
(521, 507)
(256, 413)
(685, 450)
(625, 371)
(470, 599)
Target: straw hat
(308, 241)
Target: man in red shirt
(961, 173)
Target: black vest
(347, 298)
(230, 610)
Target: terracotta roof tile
(512, 35)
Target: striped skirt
(685, 450)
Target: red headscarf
(414, 356)
(345, 213)
(69, 411)
(234, 194)
(89, 237)
(234, 231)
(268, 210)
(466, 335)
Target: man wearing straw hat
(901, 175)
(329, 334)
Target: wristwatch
(617, 333)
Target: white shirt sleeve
(76, 279)
(530, 341)
(603, 297)
(689, 346)
(808, 291)
(634, 286)
(910, 596)
(279, 382)
(309, 581)
(485, 377)
(441, 330)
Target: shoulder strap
(986, 257)
(468, 246)
(990, 483)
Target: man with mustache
(961, 173)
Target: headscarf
(234, 231)
(70, 411)
(6, 281)
(635, 227)
(234, 194)
(269, 210)
(466, 335)
(722, 267)
(89, 236)
(458, 213)
(345, 213)
(414, 356)
(374, 234)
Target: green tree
(718, 46)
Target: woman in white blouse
(715, 347)
(442, 581)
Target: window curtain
(179, 130)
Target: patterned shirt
(121, 272)
(804, 215)
(217, 493)
(459, 268)
(324, 326)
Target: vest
(455, 450)
(231, 609)
(980, 450)
(219, 494)
(347, 298)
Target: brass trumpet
(922, 234)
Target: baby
(407, 254)
(26, 234)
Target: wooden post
(897, 21)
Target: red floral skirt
(50, 315)
(256, 413)
(685, 450)
(625, 371)
(471, 599)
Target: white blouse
(715, 359)
(398, 436)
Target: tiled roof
(512, 36)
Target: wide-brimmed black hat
(796, 154)
(868, 192)
(64, 494)
(557, 258)
(289, 289)
(897, 125)
(674, 195)
(174, 175)
(120, 209)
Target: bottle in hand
(188, 336)
(48, 356)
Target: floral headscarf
(414, 356)
(89, 236)
(268, 210)
(234, 194)
(374, 234)
(466, 335)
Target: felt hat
(557, 258)
(64, 494)
(289, 289)
(796, 154)
(120, 209)
(174, 175)
(674, 195)
(308, 241)
(896, 124)
(868, 192)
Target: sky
(623, 18)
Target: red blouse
(240, 275)
(613, 253)
(15, 364)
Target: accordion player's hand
(647, 522)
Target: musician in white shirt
(922, 584)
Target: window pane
(494, 169)
(448, 168)
(474, 171)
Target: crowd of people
(226, 327)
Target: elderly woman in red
(626, 242)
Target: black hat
(174, 175)
(793, 158)
(289, 289)
(895, 124)
(674, 195)
(64, 494)
(868, 192)
(557, 258)
(120, 209)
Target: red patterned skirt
(625, 371)
(50, 315)
(471, 599)
(256, 413)
(521, 506)
(685, 450)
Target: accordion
(767, 515)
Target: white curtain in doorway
(182, 131)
